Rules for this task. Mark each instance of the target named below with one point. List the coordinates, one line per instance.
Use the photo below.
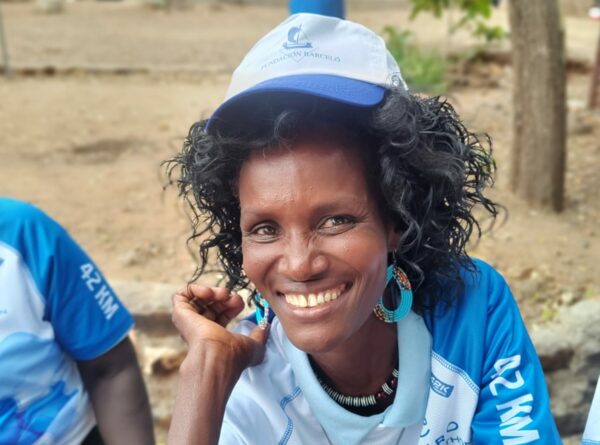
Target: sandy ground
(88, 148)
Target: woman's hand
(201, 315)
(214, 363)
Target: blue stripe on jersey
(290, 426)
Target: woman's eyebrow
(344, 203)
(254, 213)
(340, 204)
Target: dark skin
(309, 224)
(214, 363)
(118, 396)
(310, 229)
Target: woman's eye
(338, 222)
(264, 232)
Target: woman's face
(313, 241)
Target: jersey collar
(410, 402)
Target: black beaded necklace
(362, 405)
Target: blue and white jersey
(55, 309)
(591, 434)
(468, 374)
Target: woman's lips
(314, 299)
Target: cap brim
(339, 89)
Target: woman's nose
(301, 260)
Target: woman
(344, 203)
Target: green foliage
(423, 71)
(472, 9)
(475, 13)
(590, 292)
(549, 313)
(489, 33)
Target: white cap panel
(315, 44)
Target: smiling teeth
(312, 300)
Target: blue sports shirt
(56, 308)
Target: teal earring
(396, 275)
(262, 311)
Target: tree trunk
(539, 121)
(594, 98)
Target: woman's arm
(118, 395)
(206, 380)
(214, 363)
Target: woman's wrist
(220, 364)
(206, 378)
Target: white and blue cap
(315, 55)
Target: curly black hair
(427, 171)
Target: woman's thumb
(259, 336)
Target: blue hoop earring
(262, 313)
(406, 297)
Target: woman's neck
(363, 363)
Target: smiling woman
(343, 202)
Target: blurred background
(94, 95)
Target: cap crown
(316, 44)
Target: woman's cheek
(361, 248)
(256, 261)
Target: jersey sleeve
(513, 406)
(86, 316)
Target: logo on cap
(296, 47)
(296, 39)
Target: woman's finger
(216, 304)
(204, 294)
(203, 297)
(223, 312)
(256, 341)
(230, 309)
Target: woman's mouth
(316, 298)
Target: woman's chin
(315, 341)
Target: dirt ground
(104, 92)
